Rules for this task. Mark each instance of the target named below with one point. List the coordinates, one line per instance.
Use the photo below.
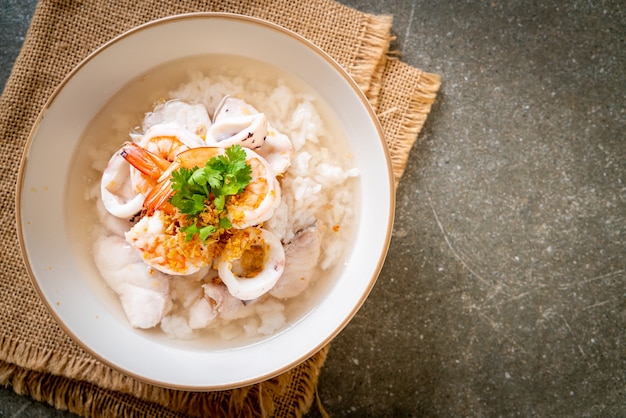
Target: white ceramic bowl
(57, 271)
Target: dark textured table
(504, 292)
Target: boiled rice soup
(213, 200)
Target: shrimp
(254, 205)
(166, 249)
(146, 162)
(160, 194)
(168, 140)
(164, 142)
(150, 166)
(251, 263)
(260, 198)
(123, 187)
(239, 119)
(157, 235)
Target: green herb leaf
(219, 201)
(195, 189)
(225, 223)
(189, 231)
(206, 231)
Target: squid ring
(240, 283)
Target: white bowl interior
(56, 271)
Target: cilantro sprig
(196, 189)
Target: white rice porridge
(318, 191)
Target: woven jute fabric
(36, 357)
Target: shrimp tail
(157, 197)
(149, 163)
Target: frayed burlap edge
(69, 395)
(88, 398)
(369, 62)
(409, 115)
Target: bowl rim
(208, 16)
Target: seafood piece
(157, 172)
(277, 148)
(158, 197)
(164, 142)
(131, 173)
(111, 224)
(301, 257)
(147, 163)
(148, 169)
(166, 249)
(143, 291)
(254, 205)
(202, 312)
(246, 130)
(260, 198)
(228, 306)
(216, 302)
(118, 196)
(167, 140)
(251, 263)
(190, 117)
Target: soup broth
(318, 191)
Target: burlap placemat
(36, 357)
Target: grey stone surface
(504, 292)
